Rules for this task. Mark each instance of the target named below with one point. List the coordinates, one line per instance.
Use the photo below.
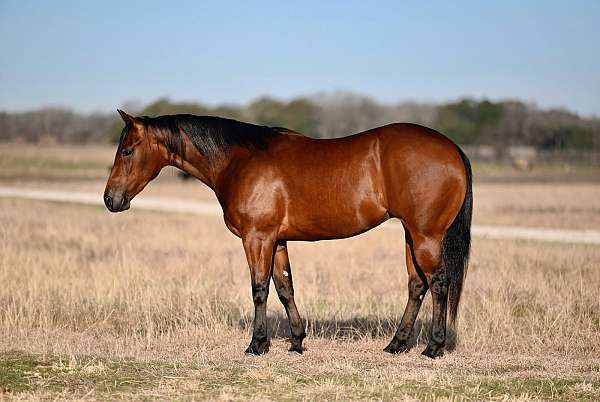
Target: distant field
(30, 161)
(145, 305)
(542, 172)
(52, 162)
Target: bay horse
(276, 185)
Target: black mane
(210, 135)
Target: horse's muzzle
(116, 201)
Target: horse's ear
(129, 120)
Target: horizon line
(535, 105)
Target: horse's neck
(207, 170)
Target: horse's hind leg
(417, 288)
(438, 282)
(282, 277)
(428, 256)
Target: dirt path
(211, 208)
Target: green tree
(299, 114)
(465, 121)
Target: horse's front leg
(259, 248)
(282, 277)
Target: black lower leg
(439, 295)
(417, 288)
(285, 291)
(260, 342)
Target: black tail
(455, 250)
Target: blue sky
(96, 55)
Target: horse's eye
(127, 152)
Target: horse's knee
(285, 294)
(260, 293)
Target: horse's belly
(320, 219)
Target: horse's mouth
(124, 207)
(119, 209)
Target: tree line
(467, 121)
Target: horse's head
(140, 157)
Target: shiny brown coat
(300, 188)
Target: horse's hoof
(433, 351)
(296, 349)
(258, 347)
(396, 347)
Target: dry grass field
(147, 305)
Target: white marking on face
(285, 273)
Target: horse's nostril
(108, 201)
